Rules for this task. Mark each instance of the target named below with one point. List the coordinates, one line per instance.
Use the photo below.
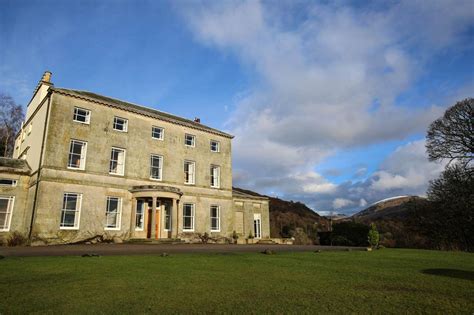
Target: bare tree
(11, 116)
(452, 136)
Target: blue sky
(329, 101)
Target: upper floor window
(215, 146)
(215, 176)
(156, 166)
(120, 124)
(77, 155)
(82, 115)
(70, 213)
(189, 172)
(117, 161)
(215, 219)
(157, 133)
(8, 182)
(113, 213)
(6, 209)
(189, 140)
(188, 217)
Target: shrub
(250, 235)
(339, 240)
(16, 239)
(235, 236)
(204, 238)
(373, 236)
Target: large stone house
(87, 165)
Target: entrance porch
(155, 212)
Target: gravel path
(151, 249)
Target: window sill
(4, 230)
(215, 187)
(111, 229)
(139, 230)
(184, 231)
(189, 146)
(76, 168)
(156, 179)
(68, 228)
(190, 184)
(115, 174)
(124, 131)
(160, 139)
(215, 231)
(81, 122)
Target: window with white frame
(188, 217)
(189, 172)
(82, 115)
(71, 210)
(120, 124)
(113, 213)
(257, 225)
(6, 210)
(189, 140)
(140, 215)
(30, 127)
(77, 155)
(117, 161)
(8, 182)
(215, 146)
(167, 218)
(157, 133)
(215, 219)
(215, 176)
(156, 166)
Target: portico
(155, 211)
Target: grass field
(384, 281)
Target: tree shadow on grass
(452, 273)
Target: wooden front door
(149, 220)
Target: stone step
(152, 241)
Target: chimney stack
(198, 120)
(46, 77)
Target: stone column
(153, 219)
(174, 219)
(133, 216)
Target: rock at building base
(90, 255)
(268, 252)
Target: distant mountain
(286, 216)
(391, 208)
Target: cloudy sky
(329, 101)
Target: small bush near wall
(16, 239)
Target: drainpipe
(33, 212)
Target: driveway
(153, 249)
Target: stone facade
(90, 174)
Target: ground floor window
(113, 213)
(215, 219)
(6, 209)
(188, 217)
(257, 225)
(167, 217)
(140, 215)
(71, 211)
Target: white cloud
(329, 82)
(339, 203)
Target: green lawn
(384, 281)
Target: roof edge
(152, 112)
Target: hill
(397, 220)
(287, 216)
(390, 208)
